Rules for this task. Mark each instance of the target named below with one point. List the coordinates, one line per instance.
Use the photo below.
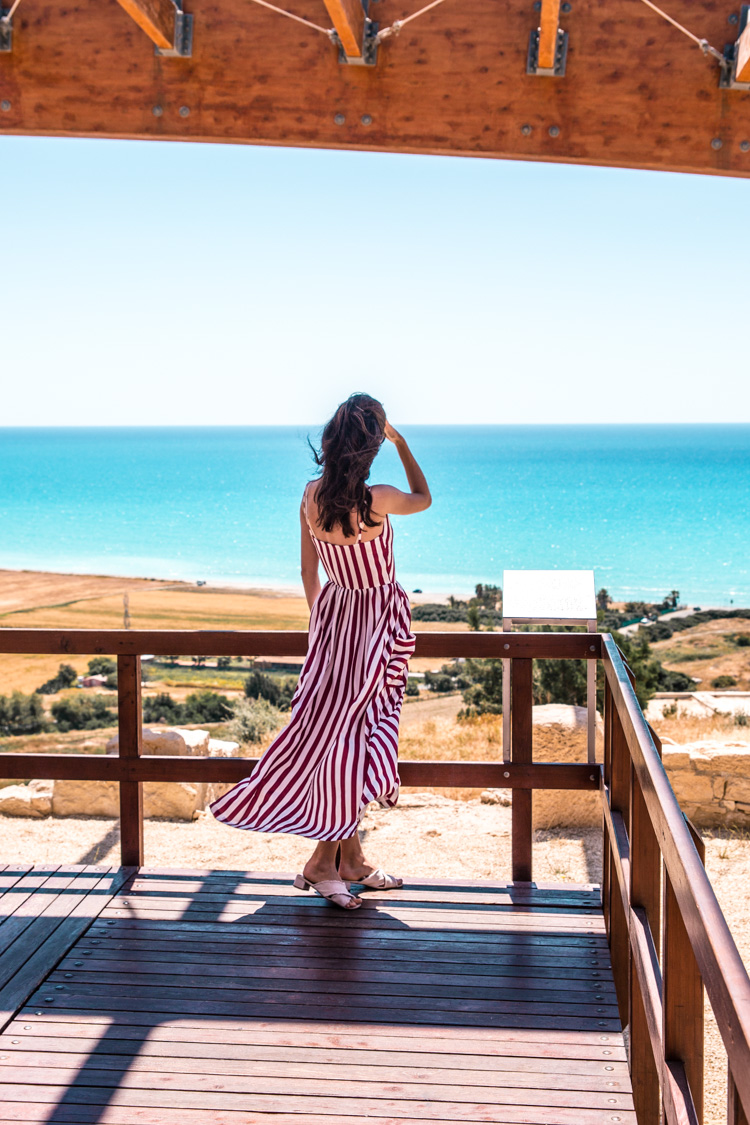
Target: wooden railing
(667, 934)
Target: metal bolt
(592, 648)
(3, 1056)
(716, 143)
(5, 105)
(608, 1067)
(366, 119)
(26, 1027)
(611, 1083)
(184, 111)
(38, 1013)
(615, 1119)
(68, 975)
(592, 777)
(734, 18)
(605, 1039)
(506, 646)
(567, 8)
(606, 1052)
(125, 901)
(77, 964)
(554, 130)
(339, 119)
(157, 111)
(601, 1023)
(537, 5)
(49, 999)
(744, 146)
(526, 131)
(14, 1041)
(59, 986)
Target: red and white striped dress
(340, 749)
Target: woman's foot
(354, 867)
(321, 866)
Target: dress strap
(361, 529)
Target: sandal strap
(379, 880)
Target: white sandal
(334, 890)
(379, 880)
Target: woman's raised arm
(387, 499)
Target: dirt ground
(708, 651)
(427, 835)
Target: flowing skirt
(340, 749)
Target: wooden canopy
(635, 92)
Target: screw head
(537, 5)
(744, 146)
(717, 143)
(733, 18)
(5, 105)
(15, 1041)
(506, 647)
(26, 1027)
(339, 119)
(506, 773)
(184, 111)
(609, 1068)
(554, 130)
(526, 132)
(567, 8)
(366, 119)
(157, 111)
(77, 964)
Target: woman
(340, 749)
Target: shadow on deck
(221, 997)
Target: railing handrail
(721, 967)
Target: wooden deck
(213, 997)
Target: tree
(22, 714)
(254, 719)
(86, 712)
(65, 678)
(472, 616)
(207, 707)
(223, 661)
(162, 708)
(102, 666)
(603, 599)
(278, 692)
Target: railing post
(683, 994)
(607, 777)
(131, 792)
(522, 751)
(645, 892)
(735, 1113)
(619, 796)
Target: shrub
(412, 686)
(223, 661)
(722, 682)
(162, 708)
(254, 719)
(65, 678)
(86, 712)
(742, 639)
(674, 681)
(275, 691)
(207, 707)
(102, 666)
(22, 714)
(741, 719)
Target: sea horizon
(649, 507)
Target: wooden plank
(348, 17)
(155, 767)
(287, 642)
(742, 55)
(645, 896)
(130, 746)
(155, 17)
(542, 1042)
(548, 25)
(69, 1038)
(351, 1067)
(521, 754)
(736, 1114)
(683, 999)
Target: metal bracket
(369, 56)
(727, 79)
(183, 36)
(6, 31)
(561, 55)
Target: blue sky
(183, 284)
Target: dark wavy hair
(348, 447)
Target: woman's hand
(391, 434)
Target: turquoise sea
(650, 507)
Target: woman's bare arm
(308, 561)
(387, 499)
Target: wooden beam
(348, 17)
(742, 69)
(155, 17)
(548, 26)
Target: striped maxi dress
(340, 749)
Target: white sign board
(551, 597)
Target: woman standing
(340, 749)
